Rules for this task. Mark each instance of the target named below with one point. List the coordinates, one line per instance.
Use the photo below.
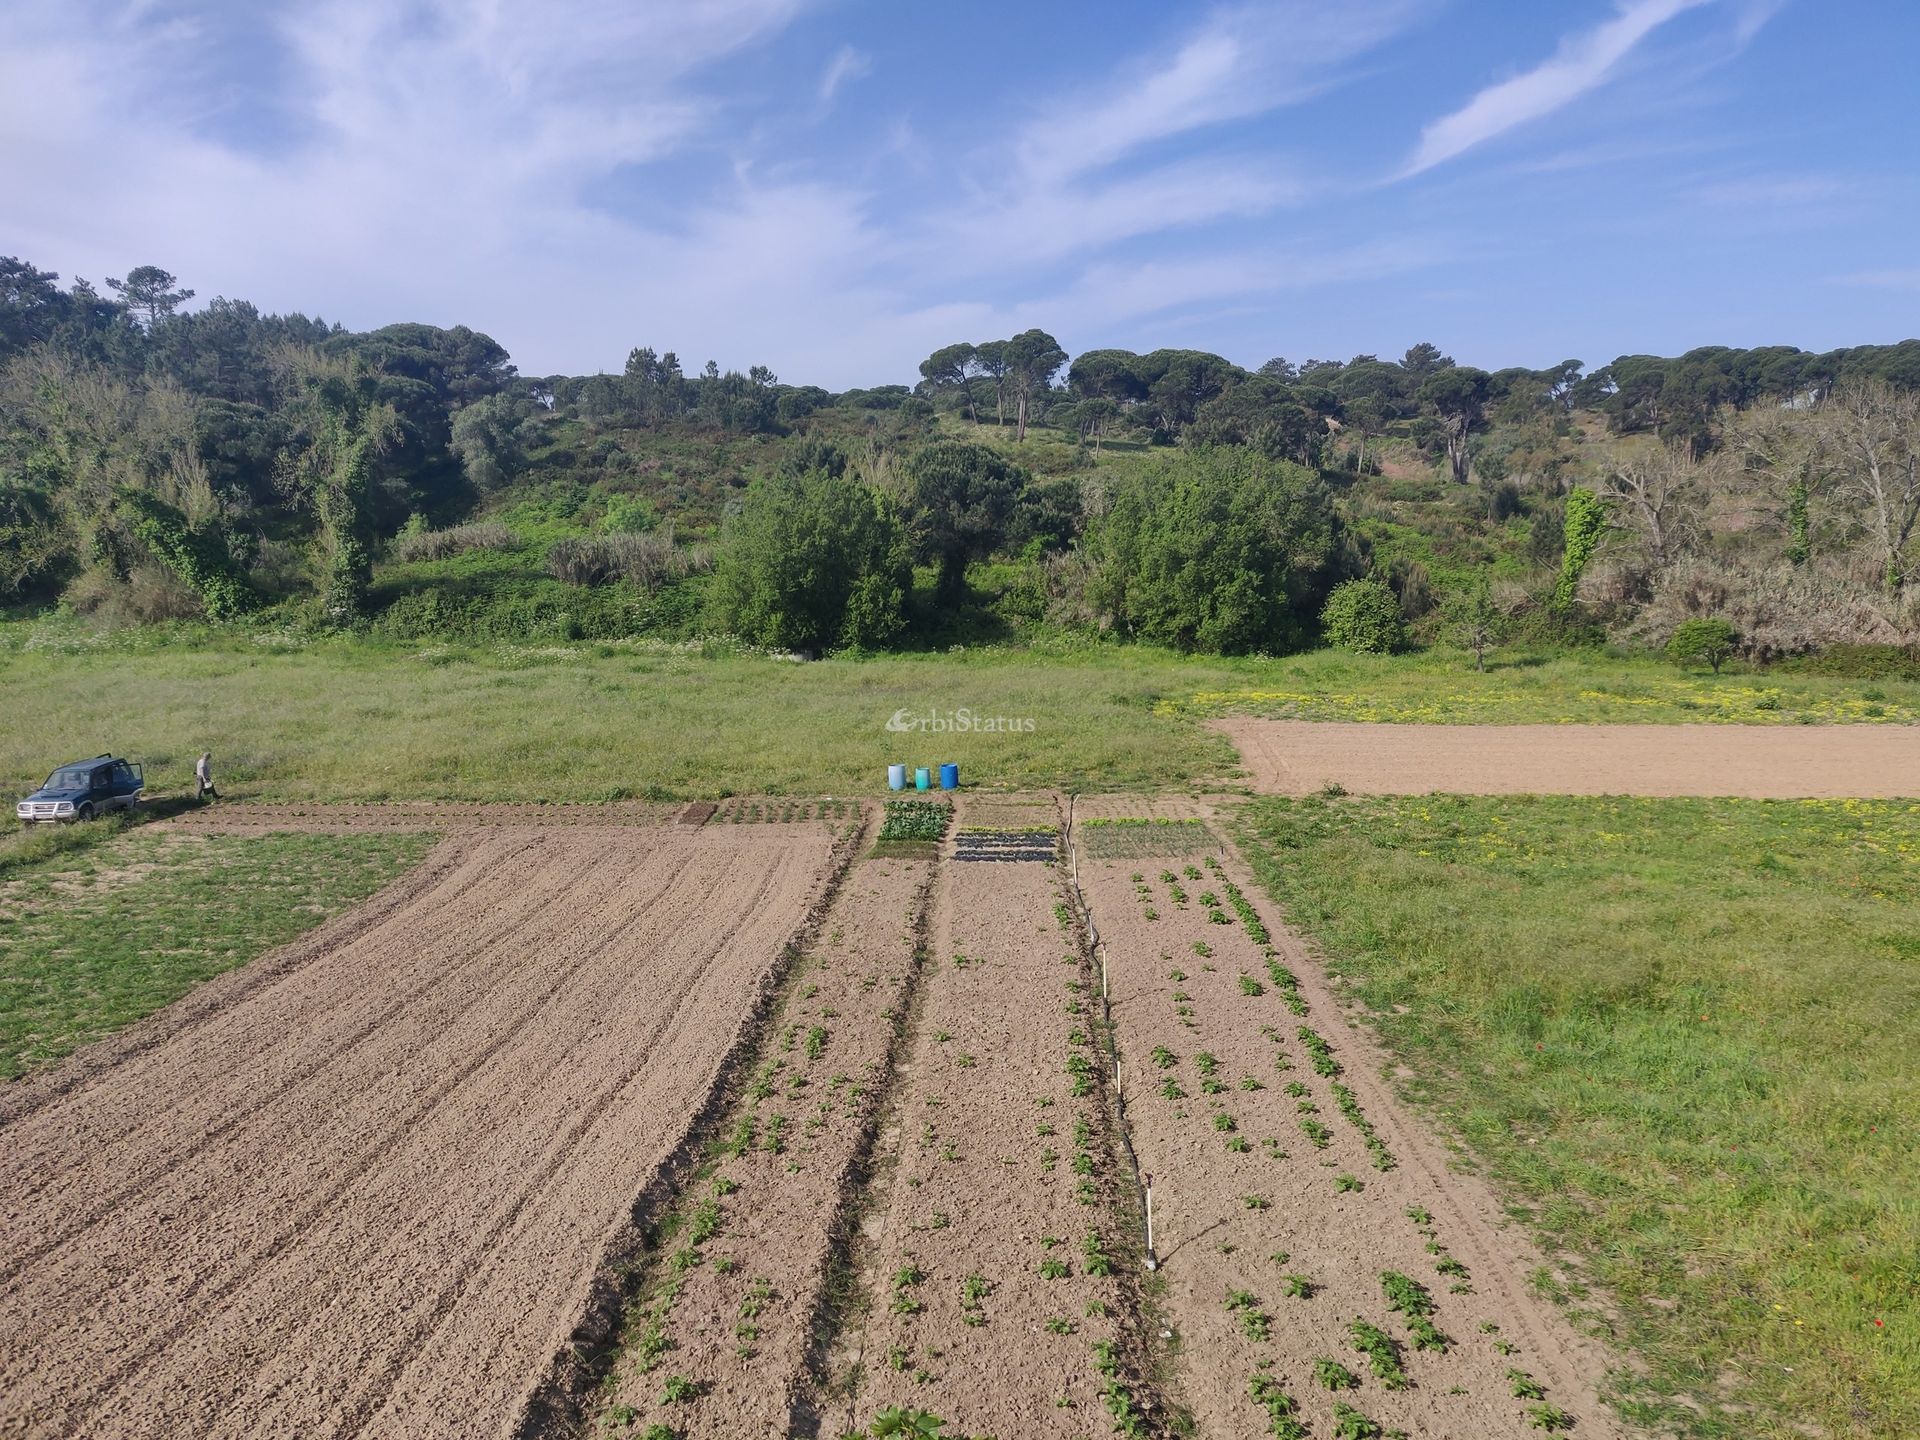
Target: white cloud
(1583, 62)
(1242, 61)
(847, 64)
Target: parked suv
(82, 790)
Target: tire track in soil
(977, 1176)
(1170, 997)
(785, 1218)
(390, 1229)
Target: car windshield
(70, 777)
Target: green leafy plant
(678, 1389)
(1332, 1375)
(905, 1280)
(1282, 1409)
(1319, 1052)
(1363, 616)
(1382, 1353)
(1525, 1387)
(1094, 1250)
(915, 820)
(1351, 1424)
(1711, 640)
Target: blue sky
(834, 189)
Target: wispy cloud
(847, 64)
(1242, 61)
(1583, 62)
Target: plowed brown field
(362, 1186)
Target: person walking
(203, 777)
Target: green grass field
(344, 719)
(95, 935)
(1681, 1034)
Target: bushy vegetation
(1363, 615)
(159, 462)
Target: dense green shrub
(1711, 640)
(1219, 550)
(1363, 615)
(813, 561)
(34, 549)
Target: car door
(126, 784)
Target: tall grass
(646, 561)
(411, 546)
(1681, 1033)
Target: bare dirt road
(361, 1187)
(1296, 757)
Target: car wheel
(85, 812)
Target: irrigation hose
(1140, 1183)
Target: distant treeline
(160, 460)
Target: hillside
(164, 464)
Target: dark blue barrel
(949, 777)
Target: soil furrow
(993, 1261)
(776, 1213)
(524, 1179)
(1315, 1249)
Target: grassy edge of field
(347, 719)
(1671, 1032)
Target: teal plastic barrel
(949, 777)
(922, 780)
(896, 777)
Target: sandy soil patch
(1269, 1255)
(362, 1186)
(1296, 757)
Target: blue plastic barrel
(949, 777)
(922, 780)
(896, 777)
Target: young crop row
(1248, 1098)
